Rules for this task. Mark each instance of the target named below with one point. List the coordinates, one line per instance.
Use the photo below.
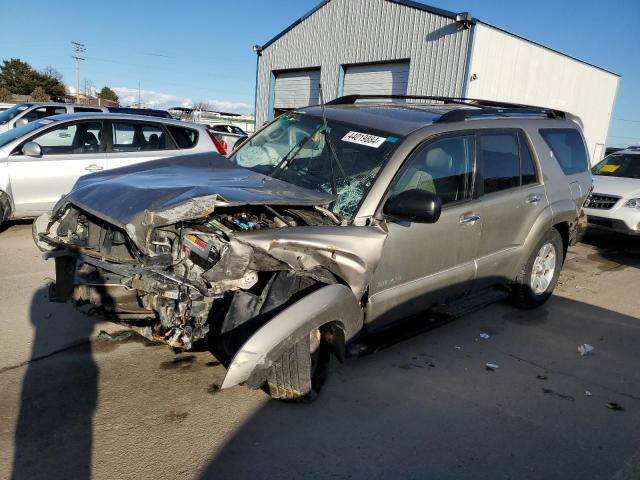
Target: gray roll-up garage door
(296, 89)
(376, 79)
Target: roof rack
(484, 107)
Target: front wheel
(539, 275)
(5, 208)
(300, 372)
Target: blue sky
(202, 50)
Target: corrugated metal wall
(346, 32)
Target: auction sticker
(364, 139)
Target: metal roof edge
(428, 8)
(406, 3)
(547, 48)
(296, 23)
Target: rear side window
(135, 137)
(506, 161)
(568, 149)
(184, 137)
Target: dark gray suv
(330, 223)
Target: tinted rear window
(184, 137)
(568, 149)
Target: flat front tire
(539, 275)
(300, 372)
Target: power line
(626, 120)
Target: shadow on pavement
(54, 433)
(613, 249)
(428, 408)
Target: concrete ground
(76, 406)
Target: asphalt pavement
(77, 404)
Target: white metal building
(404, 47)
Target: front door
(426, 264)
(68, 152)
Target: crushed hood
(143, 196)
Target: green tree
(39, 95)
(108, 94)
(20, 78)
(5, 95)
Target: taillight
(220, 145)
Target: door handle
(94, 168)
(469, 219)
(533, 199)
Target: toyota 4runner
(330, 223)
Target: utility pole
(78, 50)
(139, 96)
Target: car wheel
(300, 372)
(5, 208)
(539, 275)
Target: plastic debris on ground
(542, 377)
(614, 406)
(484, 336)
(458, 347)
(588, 393)
(116, 337)
(491, 367)
(585, 349)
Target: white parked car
(5, 106)
(615, 202)
(41, 160)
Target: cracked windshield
(341, 159)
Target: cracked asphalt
(76, 405)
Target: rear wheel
(539, 275)
(300, 372)
(5, 208)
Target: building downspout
(467, 67)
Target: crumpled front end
(193, 275)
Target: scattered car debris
(484, 336)
(491, 367)
(115, 337)
(587, 393)
(542, 377)
(615, 406)
(569, 398)
(585, 349)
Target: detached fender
(331, 304)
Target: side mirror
(31, 149)
(20, 122)
(414, 205)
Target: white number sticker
(364, 139)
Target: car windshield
(623, 165)
(343, 159)
(10, 113)
(14, 133)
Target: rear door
(424, 264)
(513, 197)
(68, 152)
(132, 141)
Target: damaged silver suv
(331, 223)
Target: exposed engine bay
(191, 271)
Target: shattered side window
(340, 159)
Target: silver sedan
(41, 161)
